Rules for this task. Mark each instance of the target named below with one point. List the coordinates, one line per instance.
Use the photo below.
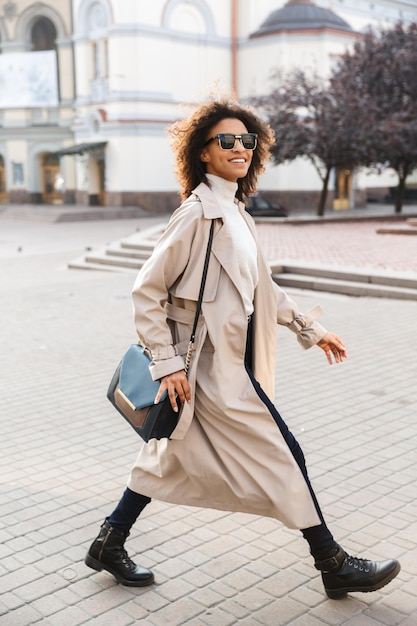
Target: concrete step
(347, 274)
(128, 255)
(143, 246)
(347, 281)
(137, 252)
(101, 260)
(82, 264)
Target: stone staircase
(129, 254)
(348, 281)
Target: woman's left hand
(334, 348)
(175, 384)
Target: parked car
(257, 205)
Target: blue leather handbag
(132, 392)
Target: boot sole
(337, 594)
(99, 566)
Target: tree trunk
(399, 196)
(323, 196)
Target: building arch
(32, 14)
(94, 18)
(92, 26)
(201, 10)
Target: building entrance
(343, 189)
(3, 192)
(51, 171)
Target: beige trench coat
(227, 452)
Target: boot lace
(357, 563)
(126, 560)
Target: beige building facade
(89, 87)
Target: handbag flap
(135, 380)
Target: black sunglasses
(227, 140)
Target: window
(43, 35)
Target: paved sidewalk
(65, 456)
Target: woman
(231, 449)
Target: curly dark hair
(190, 135)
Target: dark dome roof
(301, 15)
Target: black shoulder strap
(200, 296)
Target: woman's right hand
(176, 384)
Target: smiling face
(228, 164)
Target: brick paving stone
(195, 558)
(223, 589)
(384, 615)
(134, 609)
(41, 587)
(254, 599)
(115, 617)
(261, 568)
(242, 579)
(237, 609)
(105, 600)
(306, 596)
(50, 604)
(177, 613)
(361, 620)
(68, 596)
(336, 613)
(279, 612)
(9, 601)
(176, 567)
(217, 617)
(197, 578)
(285, 581)
(282, 558)
(174, 589)
(223, 565)
(207, 597)
(23, 616)
(324, 242)
(402, 601)
(409, 621)
(307, 620)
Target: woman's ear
(204, 156)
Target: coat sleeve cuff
(311, 335)
(309, 332)
(159, 369)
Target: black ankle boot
(342, 573)
(107, 552)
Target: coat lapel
(222, 246)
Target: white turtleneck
(243, 241)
